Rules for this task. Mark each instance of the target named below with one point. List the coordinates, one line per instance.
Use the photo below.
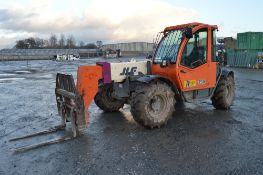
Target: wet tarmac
(197, 140)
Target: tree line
(54, 42)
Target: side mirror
(188, 33)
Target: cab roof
(191, 25)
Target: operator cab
(186, 57)
(194, 54)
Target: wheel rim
(157, 105)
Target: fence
(24, 54)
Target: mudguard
(222, 73)
(225, 73)
(150, 78)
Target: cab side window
(195, 52)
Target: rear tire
(105, 101)
(224, 93)
(152, 105)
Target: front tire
(152, 105)
(105, 101)
(224, 93)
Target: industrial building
(127, 49)
(131, 49)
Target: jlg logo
(128, 71)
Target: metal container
(230, 43)
(250, 40)
(242, 58)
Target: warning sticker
(189, 83)
(202, 82)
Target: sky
(113, 21)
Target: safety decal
(189, 83)
(201, 82)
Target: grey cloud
(15, 20)
(92, 25)
(4, 15)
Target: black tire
(224, 93)
(145, 100)
(105, 101)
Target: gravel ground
(197, 140)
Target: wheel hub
(156, 104)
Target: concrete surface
(197, 140)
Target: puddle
(3, 75)
(23, 72)
(46, 76)
(11, 79)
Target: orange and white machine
(183, 67)
(184, 62)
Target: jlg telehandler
(183, 67)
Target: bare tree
(53, 41)
(21, 44)
(31, 43)
(90, 46)
(46, 43)
(71, 42)
(40, 43)
(62, 41)
(81, 44)
(99, 44)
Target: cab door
(195, 70)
